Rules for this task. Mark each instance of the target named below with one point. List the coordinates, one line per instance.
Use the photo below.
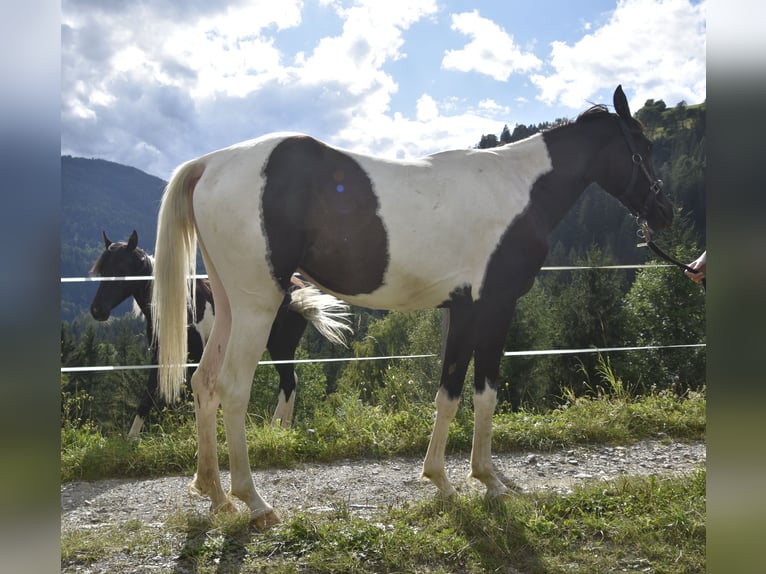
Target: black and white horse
(302, 302)
(465, 230)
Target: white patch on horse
(285, 408)
(432, 202)
(135, 428)
(205, 325)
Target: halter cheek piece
(655, 185)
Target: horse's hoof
(447, 493)
(227, 507)
(497, 493)
(265, 520)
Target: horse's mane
(95, 271)
(600, 111)
(594, 112)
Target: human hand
(698, 265)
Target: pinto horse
(303, 303)
(463, 230)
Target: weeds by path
(346, 428)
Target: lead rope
(645, 233)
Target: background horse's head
(120, 259)
(625, 167)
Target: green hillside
(101, 195)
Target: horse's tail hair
(175, 256)
(328, 315)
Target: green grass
(634, 524)
(650, 524)
(347, 428)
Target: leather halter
(655, 185)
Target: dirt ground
(366, 486)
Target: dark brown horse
(302, 303)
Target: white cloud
(654, 48)
(153, 84)
(491, 106)
(426, 108)
(397, 136)
(492, 51)
(121, 64)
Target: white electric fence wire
(350, 359)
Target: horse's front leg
(456, 354)
(286, 333)
(149, 398)
(492, 331)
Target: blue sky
(153, 84)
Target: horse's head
(118, 260)
(626, 172)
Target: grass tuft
(344, 427)
(647, 524)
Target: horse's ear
(133, 240)
(107, 241)
(621, 104)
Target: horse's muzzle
(660, 214)
(99, 313)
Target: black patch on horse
(320, 215)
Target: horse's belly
(406, 291)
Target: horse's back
(376, 232)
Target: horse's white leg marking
(249, 333)
(481, 451)
(433, 465)
(135, 428)
(284, 411)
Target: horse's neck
(143, 293)
(572, 151)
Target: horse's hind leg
(286, 333)
(456, 355)
(249, 332)
(207, 480)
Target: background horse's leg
(249, 332)
(147, 402)
(149, 398)
(286, 333)
(455, 358)
(492, 328)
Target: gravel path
(365, 486)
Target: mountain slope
(101, 195)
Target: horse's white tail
(330, 316)
(175, 256)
